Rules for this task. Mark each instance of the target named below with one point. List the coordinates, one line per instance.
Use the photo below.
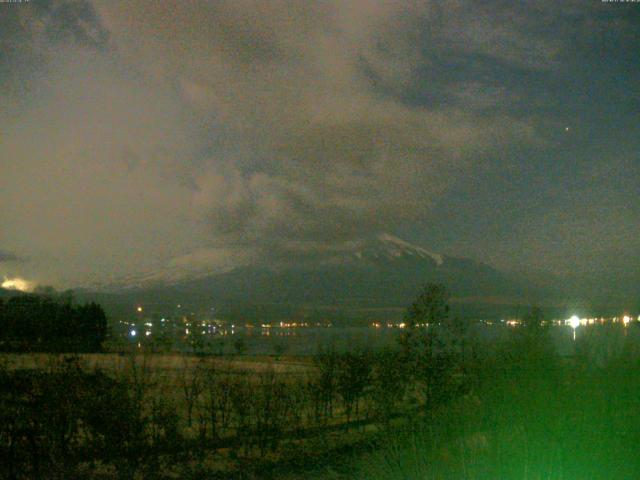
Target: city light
(574, 322)
(133, 333)
(139, 309)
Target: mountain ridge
(380, 272)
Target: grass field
(161, 362)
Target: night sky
(146, 136)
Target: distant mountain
(383, 273)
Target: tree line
(41, 323)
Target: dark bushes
(56, 422)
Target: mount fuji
(380, 274)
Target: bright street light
(574, 322)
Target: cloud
(8, 257)
(95, 176)
(185, 133)
(303, 146)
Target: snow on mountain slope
(383, 248)
(388, 248)
(375, 272)
(397, 247)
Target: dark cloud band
(8, 257)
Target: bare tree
(269, 407)
(190, 380)
(389, 380)
(240, 393)
(216, 404)
(324, 383)
(352, 377)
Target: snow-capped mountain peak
(381, 247)
(399, 246)
(389, 246)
